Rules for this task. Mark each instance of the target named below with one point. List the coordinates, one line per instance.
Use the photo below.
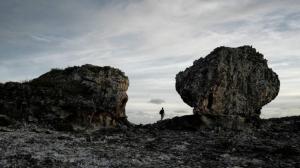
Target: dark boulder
(76, 97)
(5, 121)
(228, 81)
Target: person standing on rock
(162, 113)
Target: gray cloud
(181, 111)
(157, 101)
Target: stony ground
(274, 144)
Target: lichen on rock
(76, 97)
(228, 81)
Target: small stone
(5, 120)
(256, 161)
(225, 155)
(179, 147)
(164, 157)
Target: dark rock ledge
(76, 98)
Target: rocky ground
(275, 143)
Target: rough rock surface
(229, 81)
(73, 98)
(274, 144)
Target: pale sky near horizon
(151, 41)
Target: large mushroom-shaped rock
(229, 81)
(76, 97)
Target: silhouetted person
(162, 113)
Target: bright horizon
(151, 41)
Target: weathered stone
(77, 97)
(5, 121)
(229, 81)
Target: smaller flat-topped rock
(73, 98)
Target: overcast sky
(151, 41)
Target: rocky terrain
(76, 118)
(275, 143)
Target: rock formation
(76, 97)
(229, 82)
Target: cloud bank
(157, 101)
